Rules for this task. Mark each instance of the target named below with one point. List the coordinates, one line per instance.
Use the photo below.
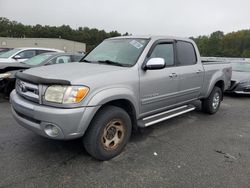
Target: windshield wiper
(109, 62)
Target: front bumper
(71, 123)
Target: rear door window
(185, 53)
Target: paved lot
(194, 150)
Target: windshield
(241, 67)
(9, 53)
(37, 59)
(121, 51)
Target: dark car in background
(8, 70)
(240, 82)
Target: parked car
(240, 83)
(8, 70)
(124, 83)
(3, 50)
(22, 54)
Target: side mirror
(155, 63)
(17, 57)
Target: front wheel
(211, 104)
(108, 133)
(9, 87)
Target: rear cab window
(186, 54)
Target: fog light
(51, 130)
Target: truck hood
(7, 60)
(240, 76)
(75, 73)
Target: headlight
(5, 75)
(66, 94)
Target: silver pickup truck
(123, 84)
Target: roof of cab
(153, 37)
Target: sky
(182, 18)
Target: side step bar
(156, 118)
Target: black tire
(9, 87)
(110, 123)
(211, 104)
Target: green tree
(91, 37)
(246, 53)
(234, 44)
(214, 45)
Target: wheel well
(221, 85)
(127, 106)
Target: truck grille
(27, 90)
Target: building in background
(57, 43)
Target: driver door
(158, 88)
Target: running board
(157, 118)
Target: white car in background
(22, 54)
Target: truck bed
(215, 70)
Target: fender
(218, 76)
(111, 94)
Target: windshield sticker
(136, 44)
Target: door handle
(198, 71)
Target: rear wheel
(211, 104)
(108, 133)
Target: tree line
(218, 44)
(90, 36)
